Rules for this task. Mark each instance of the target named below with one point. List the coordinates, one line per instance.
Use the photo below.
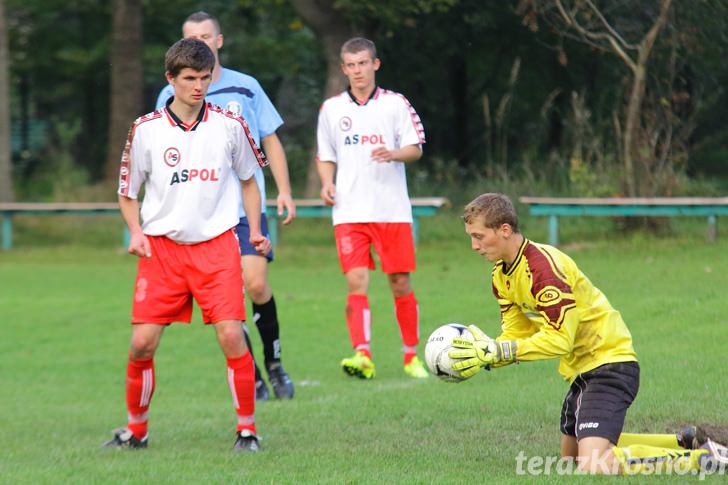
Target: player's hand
(472, 354)
(285, 201)
(139, 245)
(261, 244)
(481, 352)
(328, 192)
(382, 155)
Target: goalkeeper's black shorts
(597, 401)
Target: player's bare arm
(138, 242)
(251, 204)
(326, 171)
(410, 153)
(273, 149)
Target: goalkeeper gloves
(483, 351)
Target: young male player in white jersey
(190, 157)
(365, 136)
(550, 309)
(242, 94)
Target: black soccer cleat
(261, 391)
(246, 441)
(279, 380)
(123, 438)
(692, 437)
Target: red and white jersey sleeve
(132, 176)
(191, 174)
(368, 191)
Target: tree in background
(631, 34)
(6, 169)
(501, 106)
(127, 78)
(58, 95)
(332, 28)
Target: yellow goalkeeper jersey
(551, 309)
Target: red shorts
(208, 271)
(391, 240)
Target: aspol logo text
(186, 175)
(364, 140)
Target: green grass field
(64, 310)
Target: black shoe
(123, 438)
(261, 391)
(279, 380)
(692, 437)
(246, 441)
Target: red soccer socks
(358, 319)
(241, 379)
(139, 390)
(408, 318)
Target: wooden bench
(10, 209)
(421, 207)
(553, 207)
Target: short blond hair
(201, 16)
(358, 44)
(493, 210)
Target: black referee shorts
(597, 401)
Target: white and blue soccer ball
(437, 349)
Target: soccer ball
(437, 349)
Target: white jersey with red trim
(190, 193)
(368, 191)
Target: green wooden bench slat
(627, 210)
(553, 207)
(421, 207)
(617, 201)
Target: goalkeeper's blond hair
(493, 210)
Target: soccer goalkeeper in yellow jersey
(550, 309)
